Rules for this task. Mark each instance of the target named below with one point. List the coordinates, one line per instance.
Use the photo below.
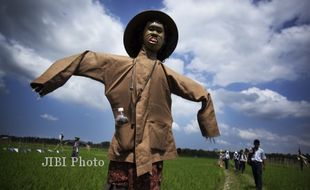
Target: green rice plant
(279, 176)
(192, 173)
(25, 171)
(286, 178)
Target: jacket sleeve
(190, 90)
(88, 64)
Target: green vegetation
(25, 171)
(277, 176)
(192, 173)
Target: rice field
(25, 171)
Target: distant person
(242, 160)
(236, 160)
(302, 160)
(220, 160)
(88, 147)
(226, 159)
(75, 148)
(258, 164)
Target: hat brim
(133, 33)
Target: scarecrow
(139, 89)
(302, 160)
(60, 144)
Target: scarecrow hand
(37, 88)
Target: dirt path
(237, 181)
(228, 180)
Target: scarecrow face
(153, 36)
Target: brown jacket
(147, 137)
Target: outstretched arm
(87, 64)
(189, 89)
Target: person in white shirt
(226, 159)
(258, 164)
(242, 161)
(236, 160)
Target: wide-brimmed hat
(133, 33)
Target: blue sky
(253, 56)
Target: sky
(252, 56)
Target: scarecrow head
(152, 30)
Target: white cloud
(176, 127)
(261, 103)
(224, 129)
(20, 60)
(267, 136)
(272, 103)
(49, 117)
(239, 41)
(182, 107)
(222, 142)
(250, 134)
(281, 11)
(79, 90)
(192, 127)
(52, 30)
(240, 138)
(83, 91)
(57, 29)
(175, 64)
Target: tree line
(187, 152)
(53, 141)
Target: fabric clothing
(243, 157)
(226, 161)
(257, 166)
(147, 137)
(236, 162)
(123, 175)
(236, 155)
(242, 166)
(257, 169)
(259, 155)
(61, 137)
(242, 161)
(75, 149)
(220, 159)
(74, 154)
(227, 156)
